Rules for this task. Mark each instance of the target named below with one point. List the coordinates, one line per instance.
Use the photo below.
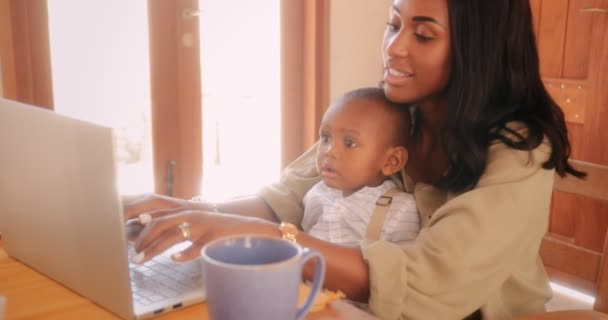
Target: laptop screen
(60, 212)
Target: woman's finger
(192, 252)
(134, 206)
(159, 235)
(167, 240)
(146, 218)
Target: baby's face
(354, 141)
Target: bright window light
(240, 62)
(576, 295)
(100, 66)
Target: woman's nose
(396, 45)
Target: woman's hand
(158, 219)
(134, 206)
(163, 231)
(145, 206)
(153, 223)
(153, 204)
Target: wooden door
(572, 38)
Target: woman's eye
(349, 143)
(422, 38)
(324, 138)
(391, 26)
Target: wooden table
(31, 295)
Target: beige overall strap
(376, 221)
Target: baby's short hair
(402, 121)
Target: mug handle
(317, 284)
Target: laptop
(60, 214)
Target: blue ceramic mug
(255, 277)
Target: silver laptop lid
(60, 212)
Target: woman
(488, 142)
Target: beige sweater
(478, 249)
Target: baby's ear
(395, 160)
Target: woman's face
(416, 50)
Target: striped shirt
(331, 217)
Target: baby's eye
(350, 143)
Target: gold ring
(184, 227)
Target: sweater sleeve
(285, 197)
(473, 248)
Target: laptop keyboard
(162, 278)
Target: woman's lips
(393, 76)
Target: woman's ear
(395, 160)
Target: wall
(1, 84)
(6, 42)
(356, 28)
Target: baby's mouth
(327, 171)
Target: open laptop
(60, 214)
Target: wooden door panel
(559, 254)
(572, 96)
(578, 40)
(563, 217)
(583, 220)
(552, 36)
(573, 49)
(577, 235)
(535, 4)
(576, 134)
(175, 98)
(595, 143)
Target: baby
(363, 139)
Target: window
(100, 67)
(240, 62)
